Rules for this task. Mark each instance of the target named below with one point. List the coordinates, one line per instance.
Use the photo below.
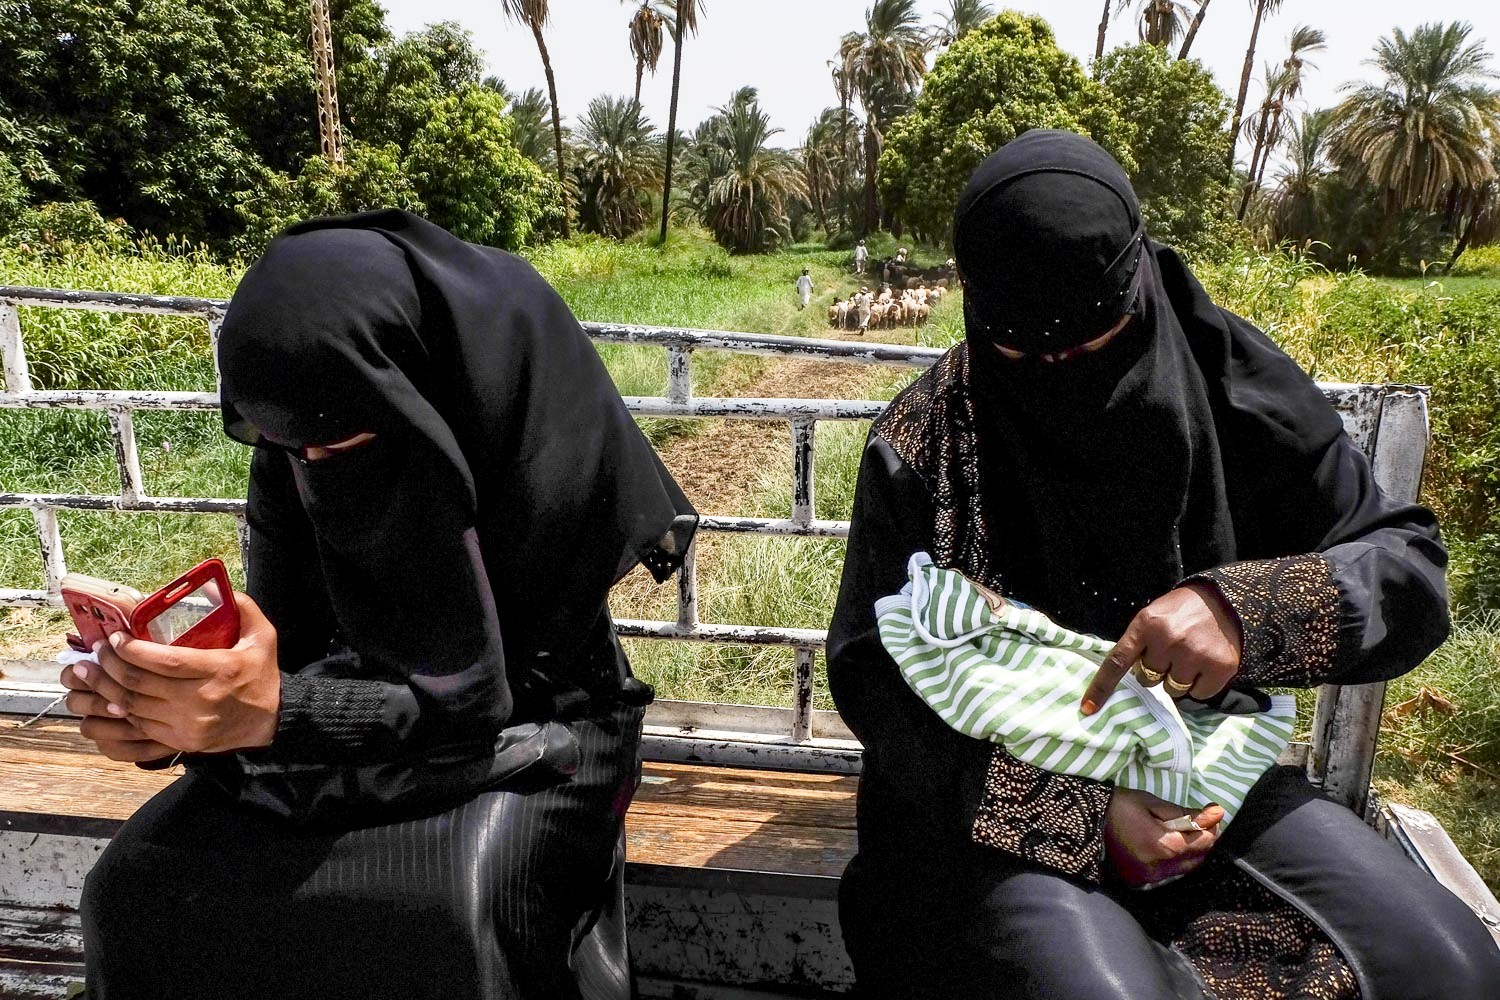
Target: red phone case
(219, 629)
(97, 617)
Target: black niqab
(1104, 471)
(468, 549)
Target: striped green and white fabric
(1012, 676)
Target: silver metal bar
(1346, 724)
(802, 696)
(54, 567)
(127, 456)
(803, 431)
(105, 399)
(687, 588)
(94, 501)
(679, 374)
(748, 408)
(747, 635)
(242, 533)
(123, 302)
(776, 526)
(13, 351)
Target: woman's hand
(145, 700)
(1186, 639)
(1142, 849)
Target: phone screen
(184, 613)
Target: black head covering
(1106, 472)
(471, 545)
(1049, 240)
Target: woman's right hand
(1141, 848)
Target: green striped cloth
(1014, 677)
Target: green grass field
(1339, 328)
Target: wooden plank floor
(684, 815)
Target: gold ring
(1176, 688)
(1148, 676)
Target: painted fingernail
(80, 671)
(115, 638)
(98, 646)
(115, 709)
(1089, 708)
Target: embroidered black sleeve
(342, 719)
(1051, 819)
(1288, 611)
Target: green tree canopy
(1004, 77)
(471, 177)
(1180, 139)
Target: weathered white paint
(1388, 422)
(1346, 724)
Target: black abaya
(1188, 448)
(440, 813)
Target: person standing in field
(861, 257)
(862, 303)
(804, 289)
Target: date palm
(747, 203)
(963, 17)
(1294, 207)
(534, 15)
(825, 155)
(1192, 33)
(889, 57)
(1283, 84)
(529, 129)
(682, 21)
(1162, 22)
(646, 38)
(619, 166)
(1427, 131)
(1263, 9)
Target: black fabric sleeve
(326, 715)
(1360, 597)
(922, 780)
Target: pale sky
(783, 46)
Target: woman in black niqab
(1104, 439)
(446, 485)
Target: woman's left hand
(194, 700)
(1186, 640)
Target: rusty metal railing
(798, 736)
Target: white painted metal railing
(1388, 422)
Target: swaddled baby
(1000, 671)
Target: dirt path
(727, 462)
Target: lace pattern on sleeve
(1289, 613)
(1051, 819)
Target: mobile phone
(197, 609)
(99, 608)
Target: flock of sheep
(865, 309)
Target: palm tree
(824, 159)
(963, 17)
(682, 21)
(646, 38)
(1283, 84)
(1425, 135)
(1187, 42)
(528, 125)
(1104, 27)
(1161, 22)
(1262, 8)
(746, 201)
(534, 14)
(1294, 207)
(890, 56)
(619, 166)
